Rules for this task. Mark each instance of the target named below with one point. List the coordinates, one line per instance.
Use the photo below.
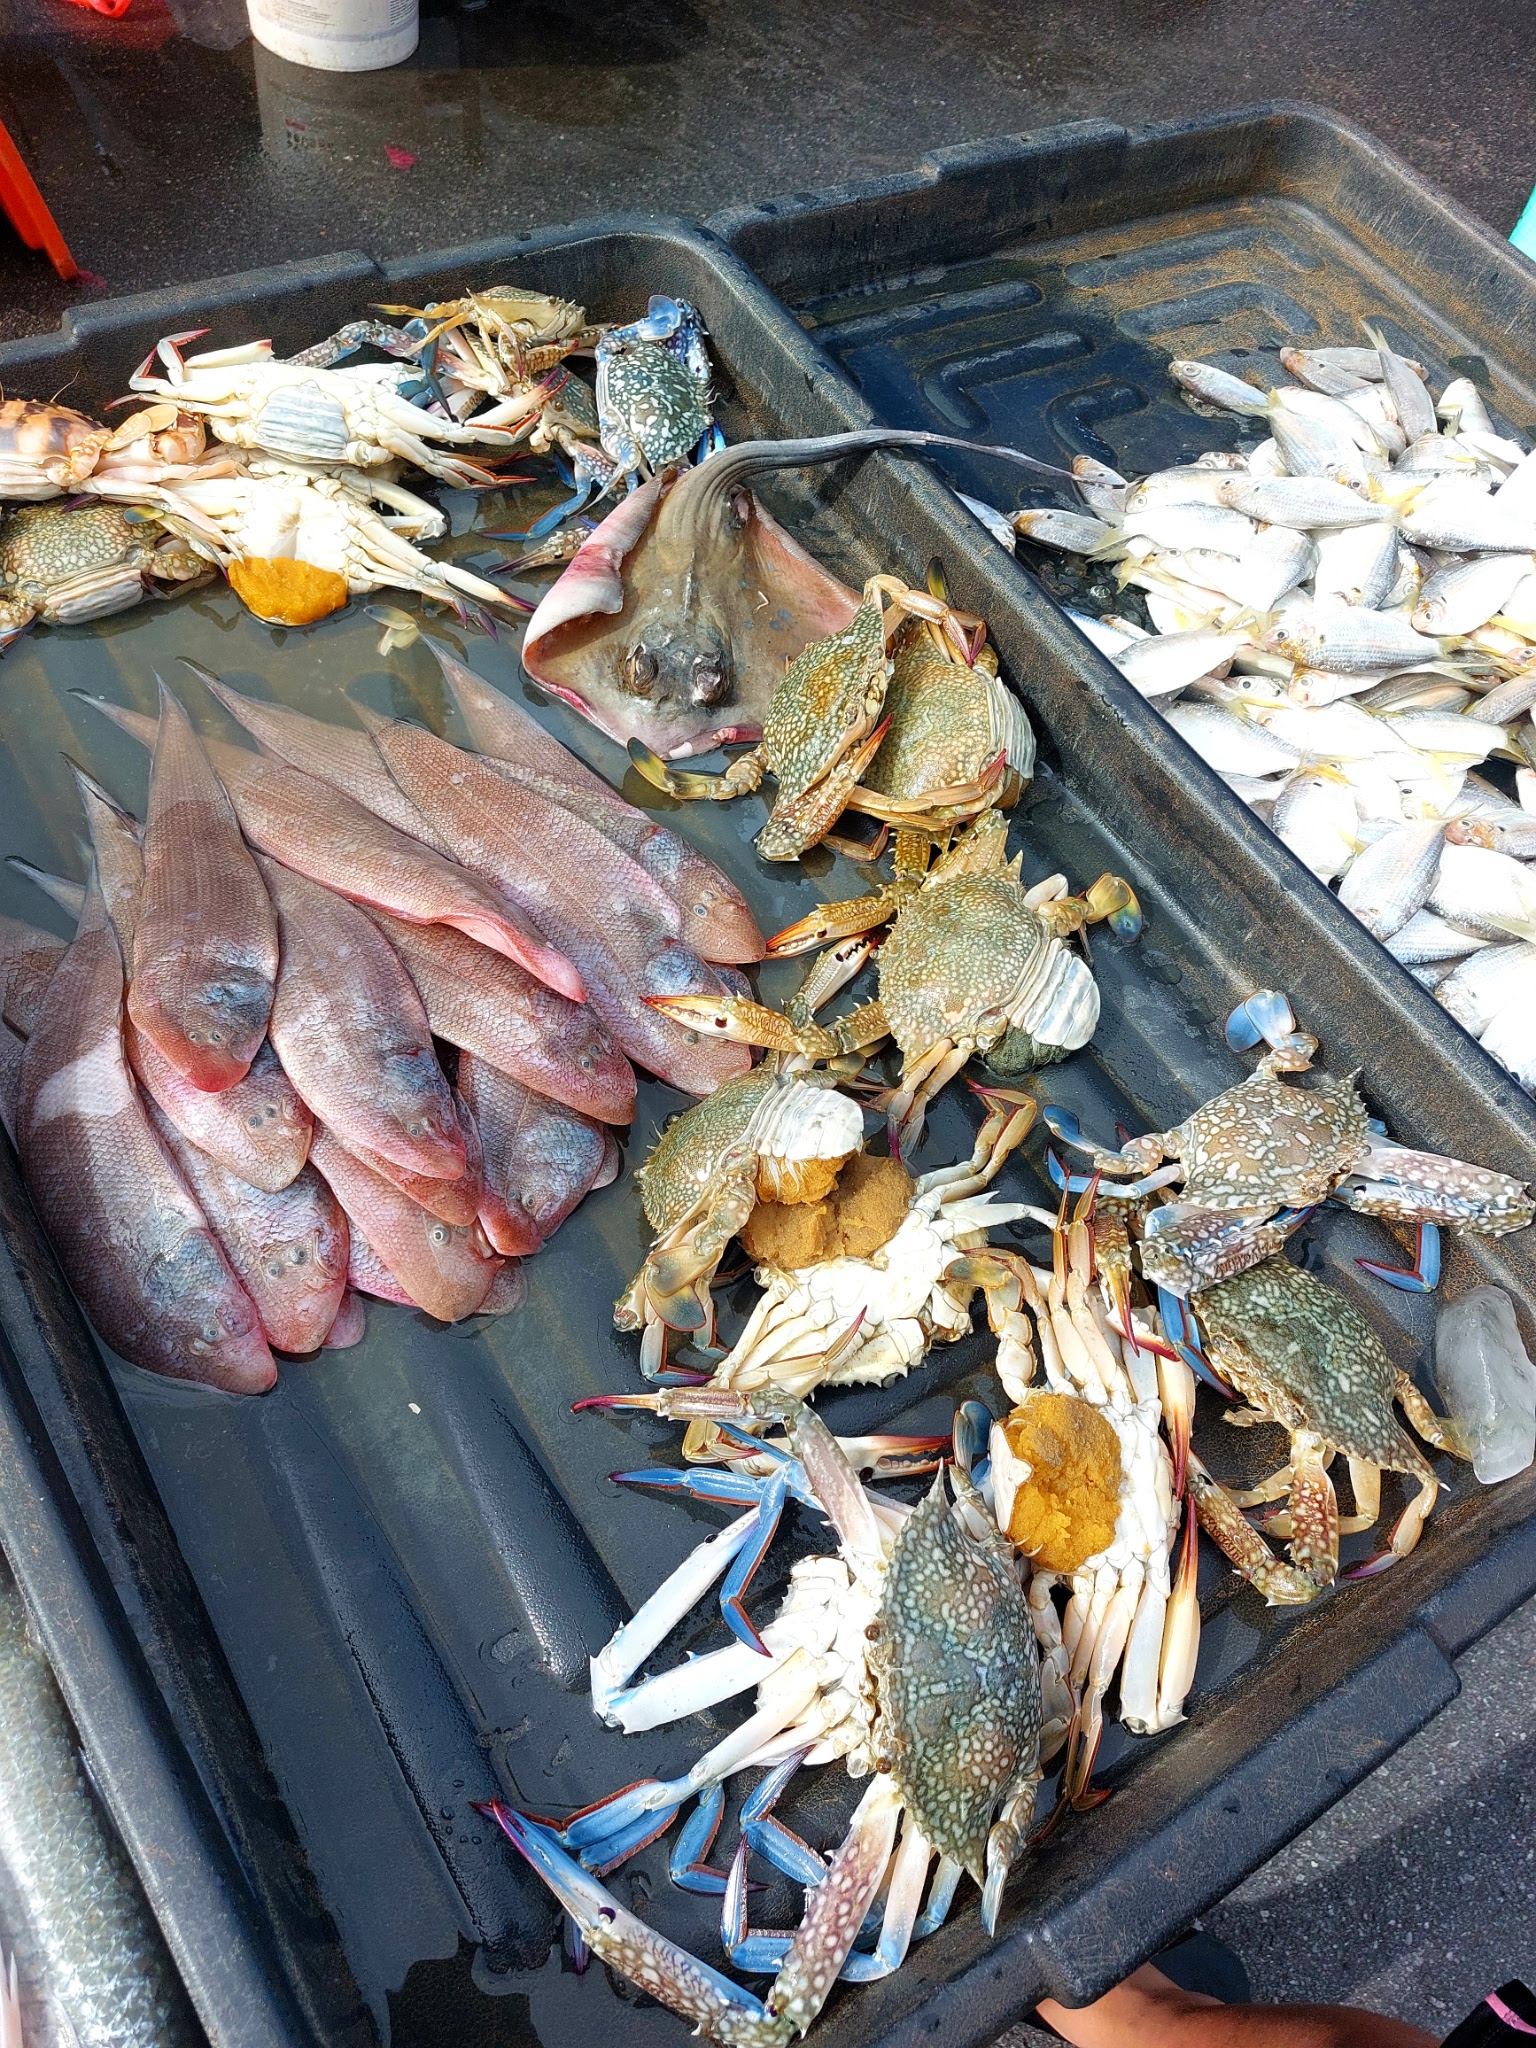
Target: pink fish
(453, 1201)
(351, 1324)
(444, 1268)
(127, 1230)
(289, 1249)
(540, 1158)
(490, 1007)
(339, 755)
(205, 941)
(368, 1274)
(585, 897)
(258, 1128)
(318, 832)
(352, 1035)
(28, 957)
(717, 920)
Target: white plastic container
(336, 35)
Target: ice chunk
(1487, 1381)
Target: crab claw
(1180, 1329)
(1061, 1123)
(730, 1017)
(1267, 1014)
(832, 921)
(1113, 900)
(719, 2009)
(1423, 1276)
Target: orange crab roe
(1064, 1512)
(284, 592)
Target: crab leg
(941, 1896)
(1181, 1632)
(932, 1074)
(904, 1899)
(621, 1657)
(717, 2007)
(1440, 1430)
(1423, 1276)
(1365, 1484)
(834, 1911)
(1281, 1584)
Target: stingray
(673, 622)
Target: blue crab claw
(605, 1835)
(760, 1955)
(717, 2007)
(1180, 1329)
(1066, 1183)
(1061, 1123)
(699, 1482)
(695, 1838)
(1266, 1014)
(972, 1431)
(1423, 1276)
(711, 441)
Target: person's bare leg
(1150, 2011)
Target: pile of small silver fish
(1346, 632)
(360, 1026)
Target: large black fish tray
(303, 1636)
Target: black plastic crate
(302, 1635)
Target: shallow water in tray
(410, 1549)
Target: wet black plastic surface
(406, 1553)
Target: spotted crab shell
(968, 958)
(956, 1676)
(800, 1126)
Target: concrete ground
(171, 149)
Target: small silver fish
(1073, 532)
(1415, 407)
(1487, 892)
(1357, 564)
(1392, 879)
(1466, 596)
(1157, 667)
(1299, 501)
(1426, 937)
(1218, 388)
(1315, 816)
(1228, 743)
(1311, 367)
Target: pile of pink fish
(352, 1015)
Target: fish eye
(254, 1123)
(298, 1255)
(275, 1270)
(439, 1233)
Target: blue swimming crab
(957, 740)
(975, 964)
(781, 1132)
(1256, 1159)
(653, 398)
(1304, 1356)
(70, 564)
(824, 725)
(907, 1653)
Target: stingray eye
(641, 669)
(709, 684)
